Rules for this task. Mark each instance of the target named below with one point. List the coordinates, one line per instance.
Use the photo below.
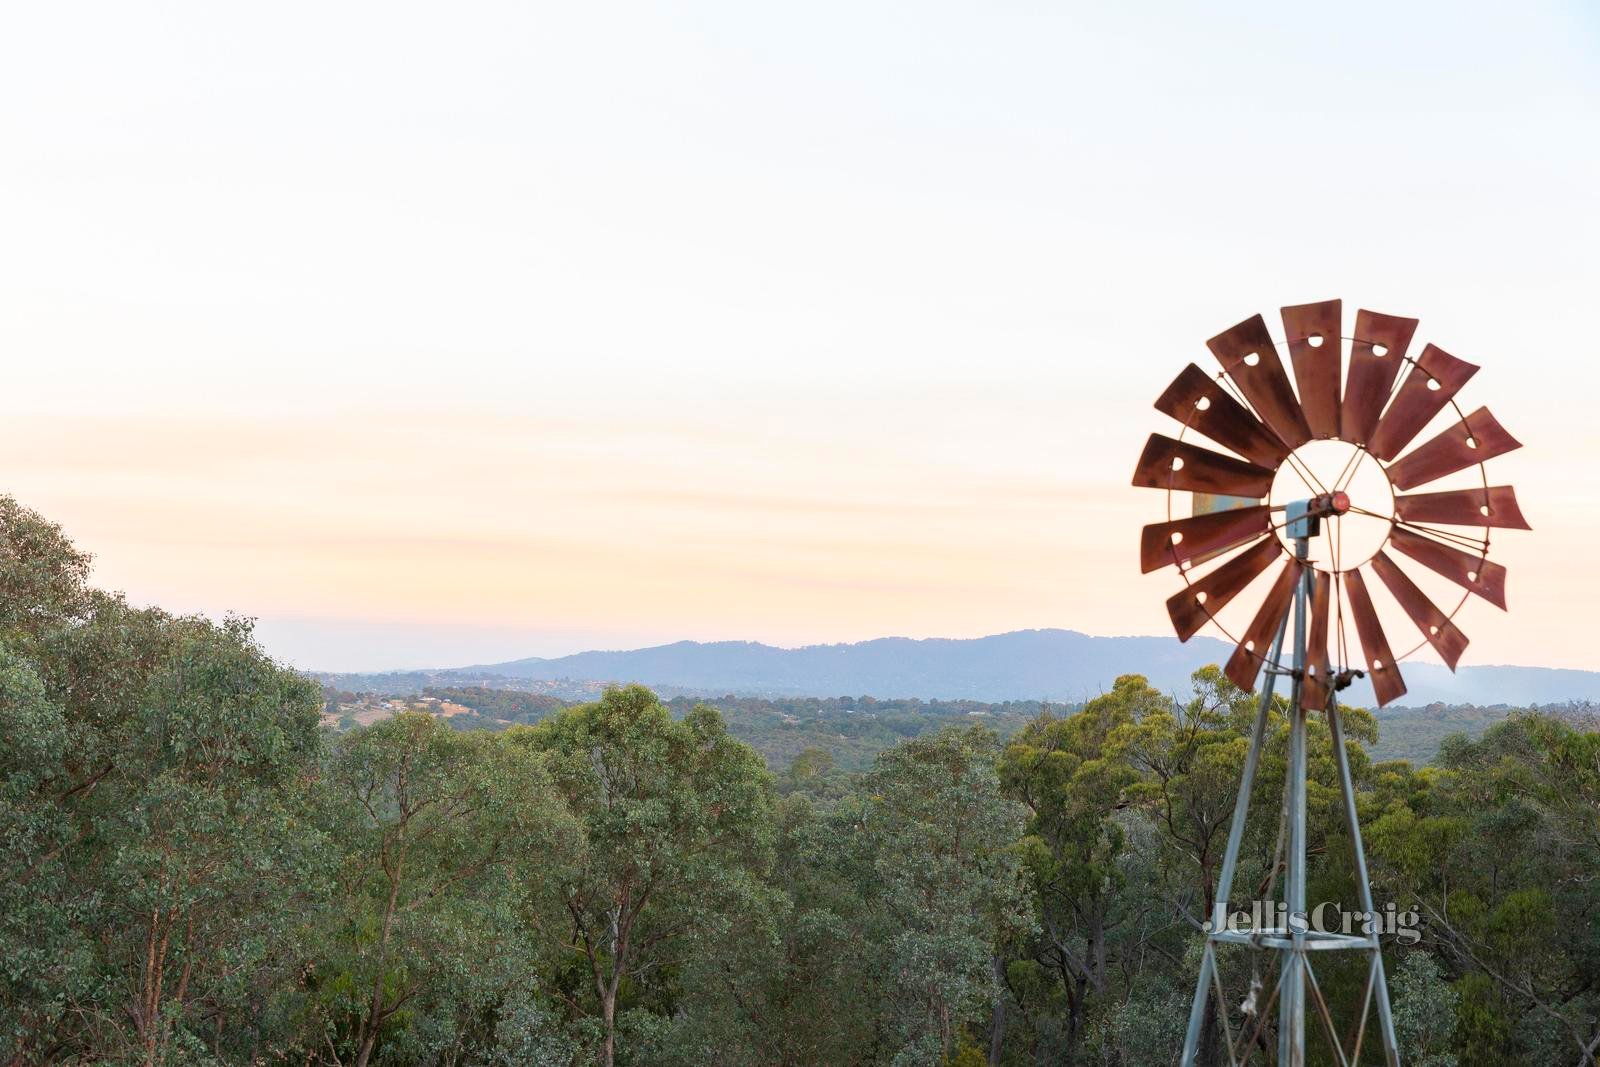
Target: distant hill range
(1055, 665)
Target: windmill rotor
(1244, 428)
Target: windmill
(1303, 460)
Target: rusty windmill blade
(1494, 506)
(1474, 439)
(1445, 637)
(1387, 684)
(1249, 356)
(1171, 464)
(1436, 378)
(1475, 574)
(1245, 663)
(1318, 679)
(1313, 334)
(1199, 401)
(1164, 543)
(1376, 352)
(1205, 596)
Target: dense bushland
(192, 869)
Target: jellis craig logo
(1267, 916)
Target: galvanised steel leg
(1291, 1000)
(1391, 1048)
(1230, 857)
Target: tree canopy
(194, 870)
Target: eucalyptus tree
(943, 839)
(153, 801)
(449, 838)
(1498, 847)
(1072, 781)
(676, 819)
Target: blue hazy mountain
(1060, 665)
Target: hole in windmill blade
(1433, 383)
(1434, 630)
(1380, 350)
(1472, 576)
(1472, 442)
(1483, 509)
(1377, 664)
(1177, 463)
(1200, 597)
(1203, 404)
(1177, 538)
(1251, 359)
(1315, 340)
(1249, 646)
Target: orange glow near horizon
(752, 528)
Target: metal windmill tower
(1265, 504)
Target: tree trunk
(1210, 1052)
(997, 1018)
(1078, 1007)
(375, 1007)
(608, 1012)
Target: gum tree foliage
(157, 854)
(677, 818)
(808, 985)
(888, 905)
(1424, 1011)
(1072, 783)
(943, 841)
(1499, 847)
(210, 843)
(448, 841)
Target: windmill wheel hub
(1330, 505)
(1347, 490)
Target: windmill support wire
(1295, 943)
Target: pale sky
(437, 334)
